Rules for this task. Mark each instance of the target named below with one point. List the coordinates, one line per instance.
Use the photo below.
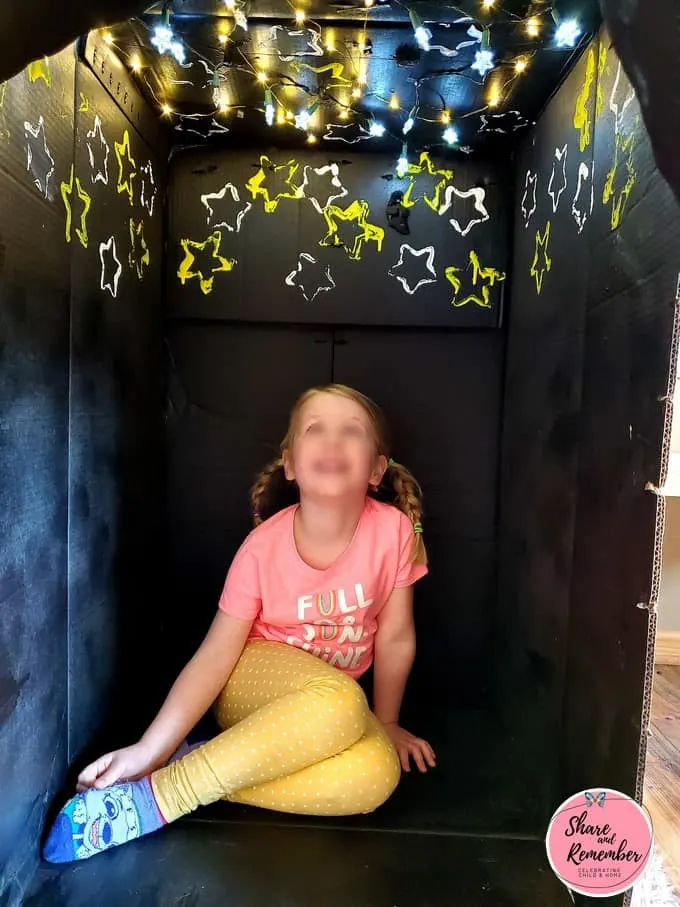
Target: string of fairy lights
(496, 76)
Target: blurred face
(333, 452)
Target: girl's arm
(197, 686)
(191, 695)
(395, 649)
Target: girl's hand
(129, 764)
(406, 744)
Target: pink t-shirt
(331, 613)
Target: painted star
(290, 43)
(256, 185)
(350, 134)
(529, 203)
(123, 154)
(111, 266)
(542, 261)
(336, 79)
(582, 114)
(478, 194)
(67, 195)
(414, 253)
(623, 157)
(356, 213)
(510, 121)
(307, 278)
(483, 279)
(472, 31)
(581, 209)
(149, 191)
(98, 151)
(439, 177)
(324, 183)
(39, 69)
(217, 262)
(139, 256)
(558, 178)
(39, 160)
(231, 209)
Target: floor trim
(667, 649)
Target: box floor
(461, 834)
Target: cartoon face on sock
(104, 818)
(333, 451)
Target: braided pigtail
(259, 493)
(409, 499)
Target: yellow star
(358, 212)
(479, 276)
(123, 153)
(601, 65)
(337, 78)
(138, 245)
(623, 146)
(425, 166)
(538, 269)
(581, 112)
(39, 69)
(223, 264)
(66, 194)
(255, 183)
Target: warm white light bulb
(520, 65)
(533, 27)
(299, 16)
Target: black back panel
(231, 387)
(440, 393)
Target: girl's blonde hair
(408, 496)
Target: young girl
(315, 594)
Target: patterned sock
(95, 820)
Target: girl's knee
(344, 701)
(385, 776)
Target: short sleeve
(407, 572)
(241, 596)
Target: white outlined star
(556, 193)
(529, 202)
(148, 191)
(579, 210)
(236, 209)
(38, 158)
(302, 277)
(98, 152)
(312, 47)
(350, 134)
(415, 253)
(110, 281)
(478, 194)
(333, 190)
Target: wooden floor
(662, 778)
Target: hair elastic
(418, 528)
(390, 463)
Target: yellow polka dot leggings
(297, 737)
